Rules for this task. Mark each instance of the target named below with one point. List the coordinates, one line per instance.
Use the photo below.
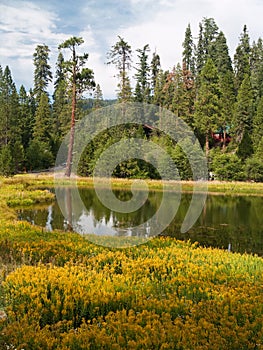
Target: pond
(234, 223)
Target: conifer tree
(244, 110)
(256, 64)
(257, 134)
(242, 58)
(120, 56)
(209, 36)
(26, 117)
(142, 90)
(61, 97)
(159, 90)
(222, 58)
(9, 119)
(200, 51)
(188, 51)
(43, 127)
(208, 31)
(155, 69)
(81, 79)
(227, 103)
(6, 161)
(9, 105)
(42, 72)
(98, 97)
(207, 105)
(169, 89)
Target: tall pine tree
(188, 51)
(207, 105)
(142, 76)
(42, 72)
(81, 79)
(120, 56)
(242, 58)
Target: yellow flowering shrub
(59, 291)
(163, 295)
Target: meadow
(60, 291)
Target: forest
(220, 97)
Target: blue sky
(159, 23)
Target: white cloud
(166, 29)
(23, 26)
(159, 23)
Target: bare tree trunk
(69, 209)
(207, 144)
(73, 119)
(224, 139)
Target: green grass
(222, 187)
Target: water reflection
(229, 222)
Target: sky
(159, 23)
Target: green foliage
(155, 69)
(254, 169)
(245, 148)
(242, 58)
(42, 73)
(142, 90)
(38, 156)
(120, 56)
(43, 123)
(207, 91)
(257, 124)
(6, 161)
(207, 105)
(188, 52)
(227, 166)
(243, 109)
(98, 97)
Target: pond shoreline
(213, 187)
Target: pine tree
(208, 31)
(6, 161)
(169, 89)
(61, 97)
(42, 72)
(81, 80)
(98, 97)
(243, 110)
(155, 69)
(159, 91)
(188, 52)
(242, 58)
(209, 36)
(142, 90)
(256, 64)
(222, 58)
(26, 117)
(200, 51)
(207, 105)
(60, 71)
(43, 127)
(10, 130)
(120, 56)
(223, 63)
(258, 124)
(228, 98)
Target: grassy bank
(59, 291)
(223, 187)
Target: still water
(228, 222)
